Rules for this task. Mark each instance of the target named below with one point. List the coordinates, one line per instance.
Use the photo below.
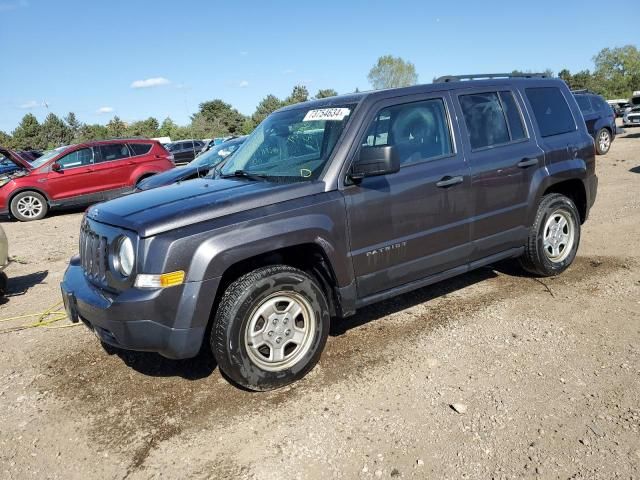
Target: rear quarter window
(551, 111)
(140, 148)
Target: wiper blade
(245, 174)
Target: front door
(71, 184)
(411, 224)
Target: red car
(78, 175)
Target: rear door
(503, 158)
(414, 223)
(589, 112)
(74, 183)
(113, 167)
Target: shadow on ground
(20, 285)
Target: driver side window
(79, 158)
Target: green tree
(391, 72)
(116, 128)
(216, 119)
(74, 126)
(144, 128)
(325, 93)
(168, 128)
(298, 94)
(6, 140)
(54, 132)
(267, 105)
(93, 132)
(27, 133)
(617, 71)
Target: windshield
(214, 156)
(293, 145)
(46, 156)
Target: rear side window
(584, 104)
(485, 120)
(140, 148)
(551, 111)
(419, 131)
(114, 151)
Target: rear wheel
(603, 141)
(554, 237)
(270, 327)
(29, 206)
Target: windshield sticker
(305, 172)
(329, 114)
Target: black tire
(233, 317)
(37, 200)
(538, 260)
(603, 141)
(4, 281)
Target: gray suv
(332, 205)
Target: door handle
(449, 181)
(528, 162)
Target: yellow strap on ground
(44, 319)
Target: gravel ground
(490, 375)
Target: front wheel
(270, 327)
(29, 206)
(603, 141)
(554, 237)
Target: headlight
(125, 256)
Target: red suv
(78, 175)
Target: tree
(116, 128)
(54, 132)
(6, 140)
(168, 128)
(27, 133)
(617, 71)
(216, 119)
(74, 126)
(325, 93)
(267, 105)
(144, 128)
(93, 132)
(298, 94)
(391, 72)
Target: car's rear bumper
(171, 321)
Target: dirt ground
(545, 375)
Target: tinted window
(140, 148)
(114, 151)
(514, 118)
(419, 131)
(79, 158)
(599, 103)
(584, 103)
(485, 120)
(551, 111)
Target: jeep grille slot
(93, 254)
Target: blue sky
(84, 56)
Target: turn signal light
(163, 280)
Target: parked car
(4, 261)
(185, 150)
(78, 175)
(331, 205)
(209, 143)
(197, 168)
(599, 117)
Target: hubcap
(29, 206)
(604, 140)
(559, 235)
(280, 331)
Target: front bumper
(170, 321)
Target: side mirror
(56, 167)
(374, 161)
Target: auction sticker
(330, 114)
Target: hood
(168, 177)
(162, 209)
(15, 158)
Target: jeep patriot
(331, 205)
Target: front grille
(93, 254)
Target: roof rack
(582, 90)
(487, 76)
